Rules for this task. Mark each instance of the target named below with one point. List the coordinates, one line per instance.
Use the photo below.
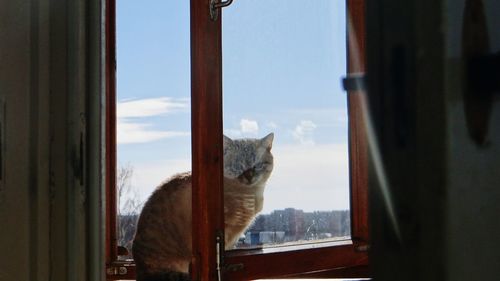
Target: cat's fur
(162, 244)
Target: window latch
(354, 82)
(215, 6)
(219, 250)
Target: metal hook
(215, 6)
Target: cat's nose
(248, 174)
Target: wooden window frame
(343, 259)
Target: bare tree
(132, 204)
(128, 208)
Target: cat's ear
(227, 141)
(267, 141)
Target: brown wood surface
(342, 260)
(206, 130)
(357, 133)
(300, 262)
(111, 239)
(351, 272)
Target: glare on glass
(153, 104)
(282, 67)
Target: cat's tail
(165, 276)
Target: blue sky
(282, 65)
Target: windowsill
(288, 247)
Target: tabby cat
(162, 243)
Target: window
(298, 97)
(332, 258)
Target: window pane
(283, 62)
(153, 105)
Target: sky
(282, 67)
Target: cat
(162, 243)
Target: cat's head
(248, 160)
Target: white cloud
(150, 107)
(132, 122)
(247, 128)
(250, 127)
(304, 131)
(131, 132)
(323, 117)
(232, 133)
(309, 178)
(271, 125)
(304, 177)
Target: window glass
(153, 103)
(283, 61)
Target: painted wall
(473, 175)
(443, 187)
(15, 201)
(50, 206)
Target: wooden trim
(358, 146)
(342, 260)
(110, 68)
(356, 33)
(293, 263)
(336, 260)
(206, 134)
(351, 271)
(357, 271)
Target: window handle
(354, 82)
(215, 5)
